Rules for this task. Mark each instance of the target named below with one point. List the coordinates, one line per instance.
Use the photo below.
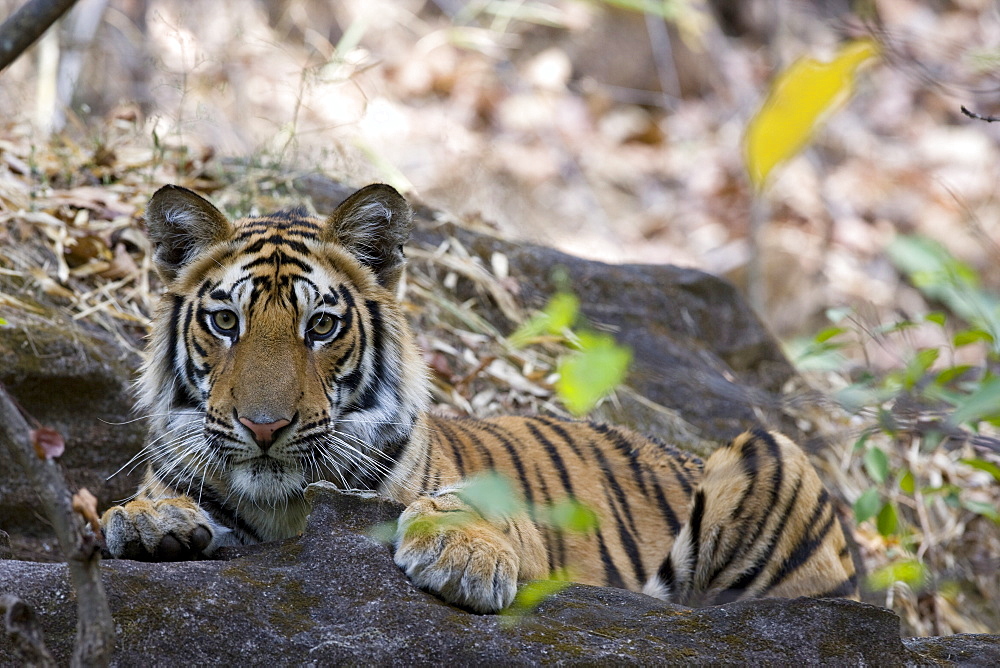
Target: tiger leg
(171, 529)
(466, 555)
(761, 524)
(161, 525)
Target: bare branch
(95, 632)
(980, 117)
(26, 25)
(25, 633)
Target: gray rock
(75, 379)
(333, 595)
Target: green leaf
(829, 333)
(808, 355)
(876, 464)
(568, 515)
(532, 594)
(952, 373)
(383, 532)
(987, 510)
(937, 317)
(893, 327)
(911, 571)
(862, 440)
(983, 404)
(918, 366)
(947, 489)
(887, 521)
(933, 270)
(907, 483)
(984, 465)
(969, 336)
(867, 504)
(858, 395)
(799, 99)
(492, 495)
(555, 319)
(586, 377)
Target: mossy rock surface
(334, 595)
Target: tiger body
(280, 356)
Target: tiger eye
(321, 324)
(225, 321)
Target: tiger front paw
(175, 529)
(448, 549)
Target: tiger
(280, 355)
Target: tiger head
(279, 353)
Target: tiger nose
(264, 433)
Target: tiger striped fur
(280, 356)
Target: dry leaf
(48, 443)
(121, 266)
(85, 503)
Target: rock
(334, 595)
(75, 379)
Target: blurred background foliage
(612, 129)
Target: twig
(22, 627)
(95, 631)
(980, 117)
(26, 25)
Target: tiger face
(294, 365)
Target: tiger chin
(279, 356)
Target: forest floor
(881, 241)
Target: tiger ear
(181, 225)
(373, 224)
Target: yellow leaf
(799, 100)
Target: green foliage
(867, 505)
(492, 495)
(597, 364)
(910, 571)
(555, 320)
(957, 398)
(983, 465)
(586, 377)
(530, 595)
(567, 515)
(943, 278)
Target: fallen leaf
(48, 443)
(121, 265)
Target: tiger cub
(279, 356)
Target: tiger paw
(448, 549)
(158, 530)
